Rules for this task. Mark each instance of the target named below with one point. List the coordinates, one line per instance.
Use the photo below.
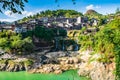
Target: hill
(53, 13)
(92, 14)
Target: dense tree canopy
(14, 43)
(46, 34)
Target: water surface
(68, 75)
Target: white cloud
(8, 20)
(10, 17)
(9, 14)
(91, 6)
(15, 15)
(26, 13)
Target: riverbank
(59, 62)
(13, 63)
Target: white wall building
(79, 20)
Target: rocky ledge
(15, 65)
(40, 62)
(94, 69)
(64, 64)
(86, 64)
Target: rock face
(42, 60)
(64, 64)
(13, 66)
(96, 70)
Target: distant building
(94, 22)
(44, 19)
(79, 21)
(18, 30)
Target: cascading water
(76, 47)
(63, 46)
(56, 43)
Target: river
(22, 75)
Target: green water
(68, 75)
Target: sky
(35, 6)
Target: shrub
(106, 42)
(14, 43)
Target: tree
(15, 43)
(117, 10)
(16, 6)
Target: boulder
(58, 71)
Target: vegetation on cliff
(106, 42)
(15, 65)
(14, 43)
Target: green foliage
(106, 42)
(47, 34)
(102, 20)
(3, 42)
(85, 41)
(28, 45)
(26, 34)
(59, 32)
(13, 43)
(44, 33)
(28, 62)
(13, 5)
(54, 13)
(3, 61)
(83, 29)
(115, 24)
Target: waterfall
(76, 47)
(63, 46)
(56, 43)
